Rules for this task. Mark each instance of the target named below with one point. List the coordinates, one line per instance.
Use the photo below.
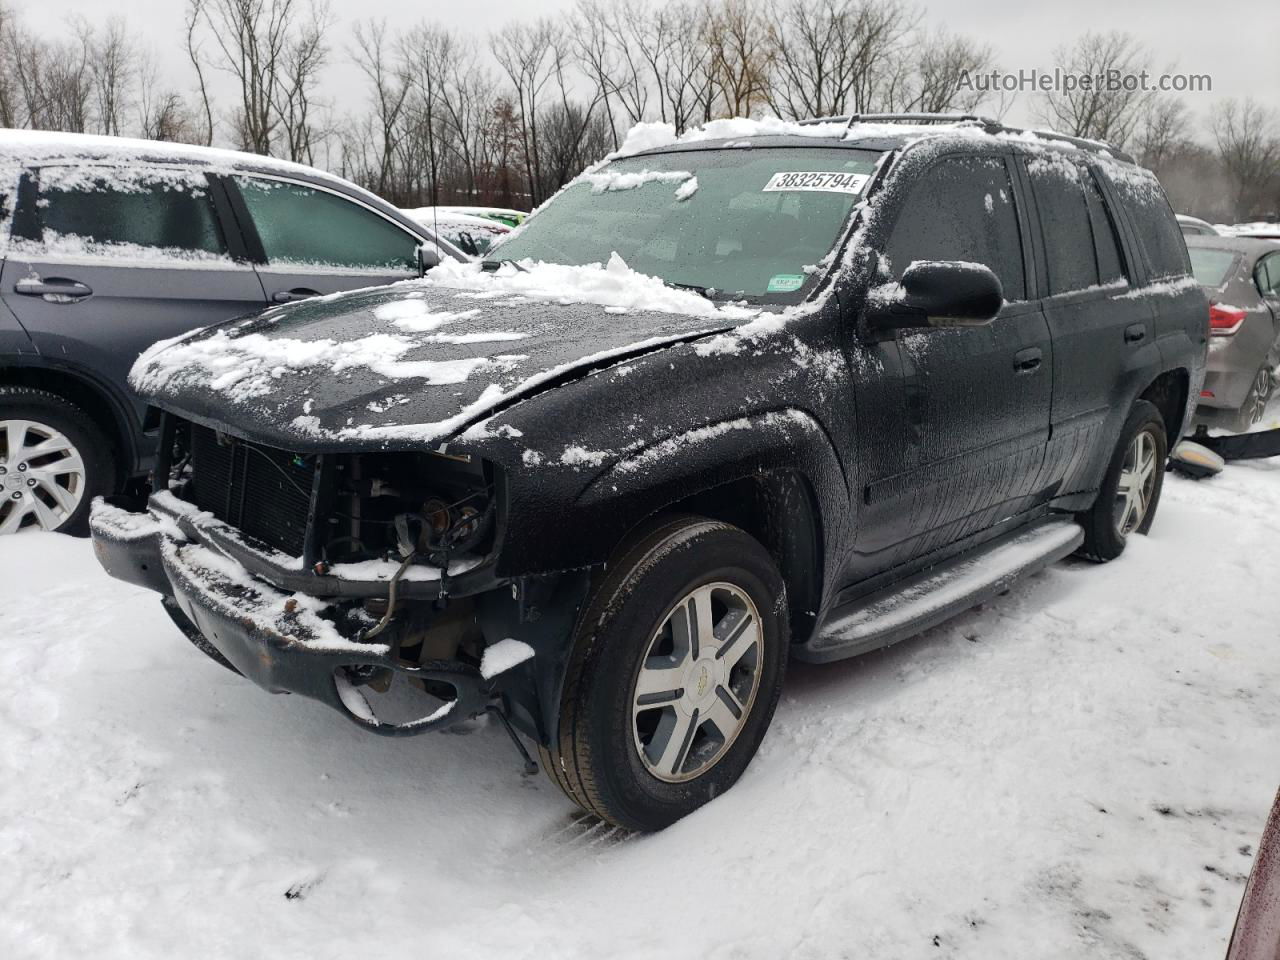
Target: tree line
(453, 118)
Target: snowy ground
(1078, 770)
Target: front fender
(650, 478)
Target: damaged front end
(364, 580)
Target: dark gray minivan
(109, 245)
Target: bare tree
(737, 43)
(274, 64)
(524, 51)
(113, 66)
(1099, 109)
(833, 57)
(390, 91)
(934, 73)
(1249, 150)
(1161, 132)
(293, 97)
(194, 15)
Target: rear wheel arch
(97, 402)
(1168, 394)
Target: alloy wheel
(698, 682)
(1259, 397)
(42, 476)
(1137, 483)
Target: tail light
(1224, 320)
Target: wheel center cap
(701, 680)
(13, 481)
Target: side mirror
(937, 293)
(428, 257)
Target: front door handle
(54, 290)
(297, 293)
(1028, 360)
(1135, 332)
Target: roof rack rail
(850, 119)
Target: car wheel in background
(1255, 404)
(1130, 491)
(53, 461)
(676, 670)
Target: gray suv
(108, 245)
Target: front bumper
(282, 641)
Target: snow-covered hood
(414, 363)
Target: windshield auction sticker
(817, 182)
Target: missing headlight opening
(385, 519)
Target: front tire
(676, 670)
(1130, 491)
(53, 461)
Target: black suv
(109, 244)
(836, 383)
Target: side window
(305, 227)
(1065, 223)
(1268, 275)
(1162, 242)
(962, 209)
(1105, 243)
(132, 214)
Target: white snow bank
(502, 656)
(613, 285)
(1079, 769)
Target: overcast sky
(1234, 42)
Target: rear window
(132, 214)
(1153, 219)
(1210, 267)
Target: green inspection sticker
(785, 282)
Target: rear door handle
(54, 290)
(297, 293)
(1135, 332)
(1028, 360)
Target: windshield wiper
(701, 291)
(489, 266)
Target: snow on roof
(31, 145)
(451, 216)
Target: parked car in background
(804, 399)
(110, 244)
(1241, 276)
(1195, 227)
(1259, 230)
(471, 234)
(504, 215)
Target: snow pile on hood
(245, 366)
(614, 286)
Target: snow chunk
(504, 655)
(687, 189)
(576, 456)
(610, 181)
(613, 285)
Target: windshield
(737, 223)
(1210, 266)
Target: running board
(939, 593)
